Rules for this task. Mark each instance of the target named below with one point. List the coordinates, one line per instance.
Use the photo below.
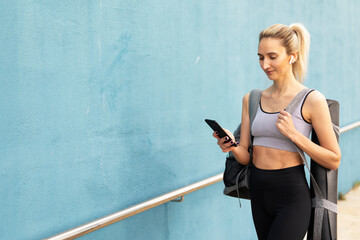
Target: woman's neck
(285, 85)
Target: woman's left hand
(285, 124)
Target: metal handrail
(141, 207)
(350, 127)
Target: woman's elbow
(336, 162)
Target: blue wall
(103, 106)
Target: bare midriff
(271, 158)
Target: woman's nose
(265, 64)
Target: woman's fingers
(224, 142)
(229, 134)
(215, 135)
(226, 145)
(284, 123)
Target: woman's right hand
(225, 147)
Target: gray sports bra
(266, 133)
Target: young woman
(280, 196)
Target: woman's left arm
(316, 111)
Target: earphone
(292, 57)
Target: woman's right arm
(240, 152)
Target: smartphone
(217, 128)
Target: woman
(280, 196)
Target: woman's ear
(293, 58)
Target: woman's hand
(225, 147)
(285, 124)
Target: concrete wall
(103, 106)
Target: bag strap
(290, 109)
(318, 194)
(319, 202)
(296, 100)
(254, 100)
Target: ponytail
(300, 66)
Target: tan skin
(275, 62)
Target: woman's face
(273, 59)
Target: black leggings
(280, 203)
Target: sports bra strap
(296, 100)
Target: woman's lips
(269, 72)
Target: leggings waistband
(281, 170)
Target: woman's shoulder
(247, 95)
(315, 97)
(315, 104)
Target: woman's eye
(272, 57)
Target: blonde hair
(295, 38)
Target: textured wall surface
(103, 106)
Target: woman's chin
(271, 77)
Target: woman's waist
(271, 158)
